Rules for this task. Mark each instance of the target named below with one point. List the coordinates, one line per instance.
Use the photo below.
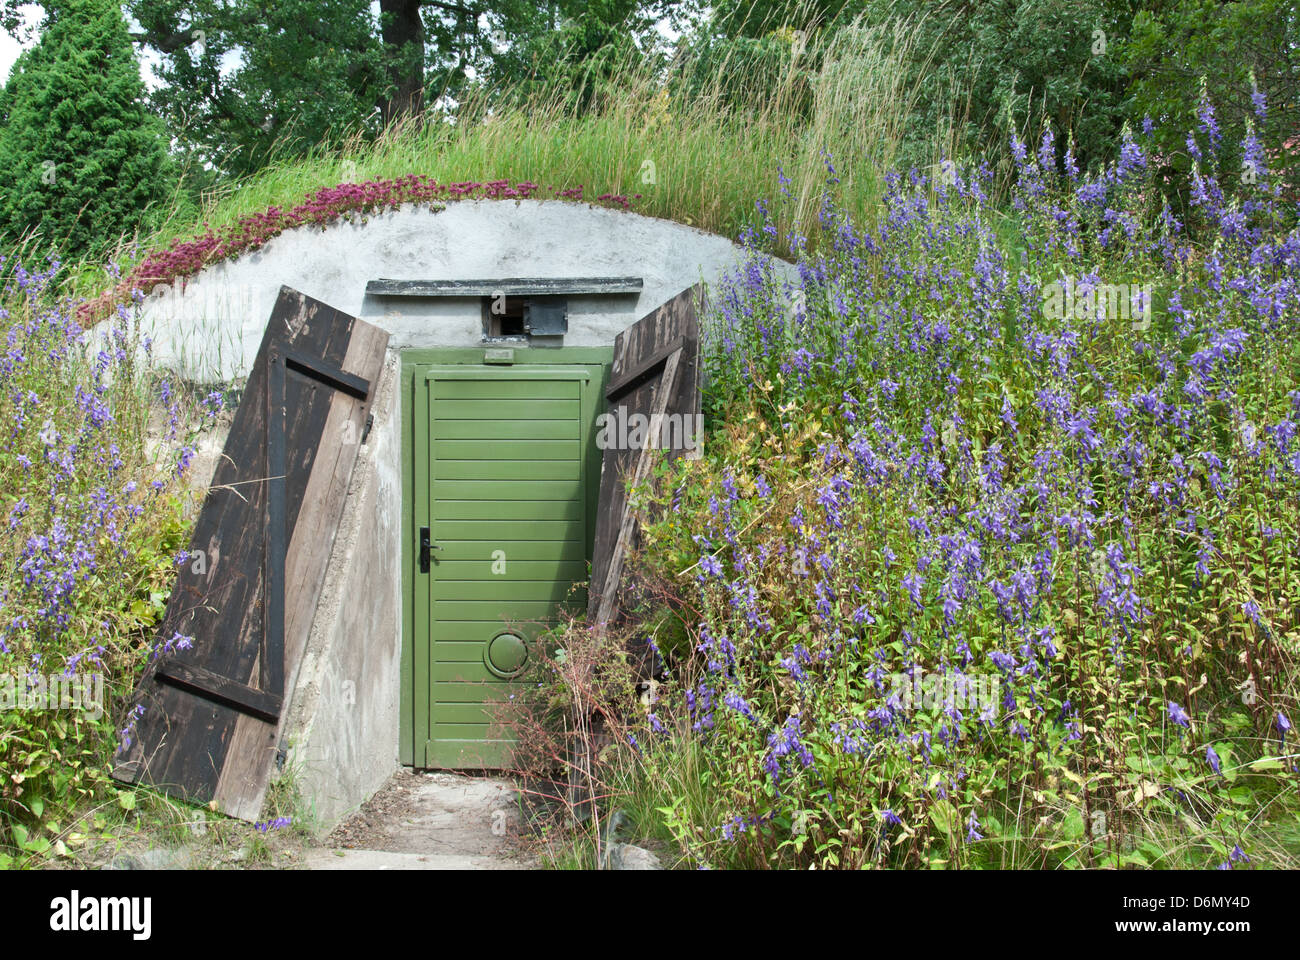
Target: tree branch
(450, 7)
(165, 42)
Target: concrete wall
(342, 718)
(342, 725)
(210, 330)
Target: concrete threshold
(389, 860)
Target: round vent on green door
(506, 654)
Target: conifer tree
(82, 161)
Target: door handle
(427, 547)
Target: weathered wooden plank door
(653, 396)
(210, 726)
(504, 477)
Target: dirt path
(429, 821)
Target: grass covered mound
(992, 558)
(696, 149)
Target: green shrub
(82, 160)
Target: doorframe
(417, 359)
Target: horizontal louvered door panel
(507, 483)
(524, 450)
(526, 490)
(521, 590)
(552, 511)
(509, 469)
(469, 570)
(518, 409)
(528, 391)
(506, 429)
(480, 551)
(491, 531)
(496, 612)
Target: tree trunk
(403, 35)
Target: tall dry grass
(703, 154)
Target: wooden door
(505, 475)
(655, 376)
(205, 722)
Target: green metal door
(505, 473)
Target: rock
(627, 856)
(157, 859)
(624, 856)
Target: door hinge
(365, 431)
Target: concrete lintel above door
(515, 287)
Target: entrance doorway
(502, 476)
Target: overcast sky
(9, 47)
(9, 50)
